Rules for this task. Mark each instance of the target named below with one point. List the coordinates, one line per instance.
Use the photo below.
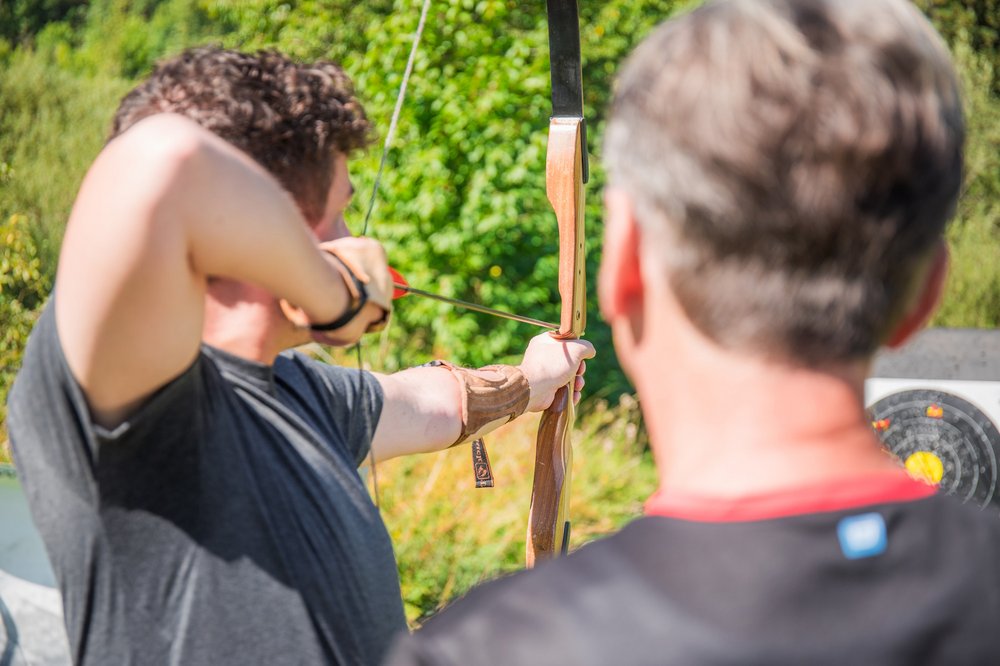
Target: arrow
(401, 288)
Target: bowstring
(386, 144)
(395, 112)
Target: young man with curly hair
(195, 482)
(781, 173)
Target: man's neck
(245, 320)
(727, 424)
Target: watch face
(943, 440)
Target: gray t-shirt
(224, 523)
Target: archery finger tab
(362, 262)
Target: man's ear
(294, 314)
(619, 287)
(927, 300)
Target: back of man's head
(792, 164)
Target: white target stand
(935, 404)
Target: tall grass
(450, 536)
(972, 295)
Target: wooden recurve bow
(565, 174)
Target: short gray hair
(793, 162)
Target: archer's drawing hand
(363, 265)
(366, 259)
(549, 364)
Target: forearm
(431, 408)
(241, 224)
(426, 412)
(422, 412)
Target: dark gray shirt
(923, 589)
(224, 523)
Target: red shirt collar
(835, 495)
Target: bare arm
(163, 207)
(422, 406)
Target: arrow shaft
(476, 308)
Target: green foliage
(972, 296)
(462, 208)
(52, 125)
(975, 23)
(124, 38)
(24, 286)
(306, 29)
(20, 19)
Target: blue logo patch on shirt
(862, 536)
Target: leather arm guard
(490, 394)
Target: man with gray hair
(781, 175)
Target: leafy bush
(975, 23)
(21, 19)
(972, 295)
(24, 286)
(462, 208)
(52, 125)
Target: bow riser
(548, 520)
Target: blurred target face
(943, 440)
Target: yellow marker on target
(925, 466)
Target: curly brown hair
(290, 117)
